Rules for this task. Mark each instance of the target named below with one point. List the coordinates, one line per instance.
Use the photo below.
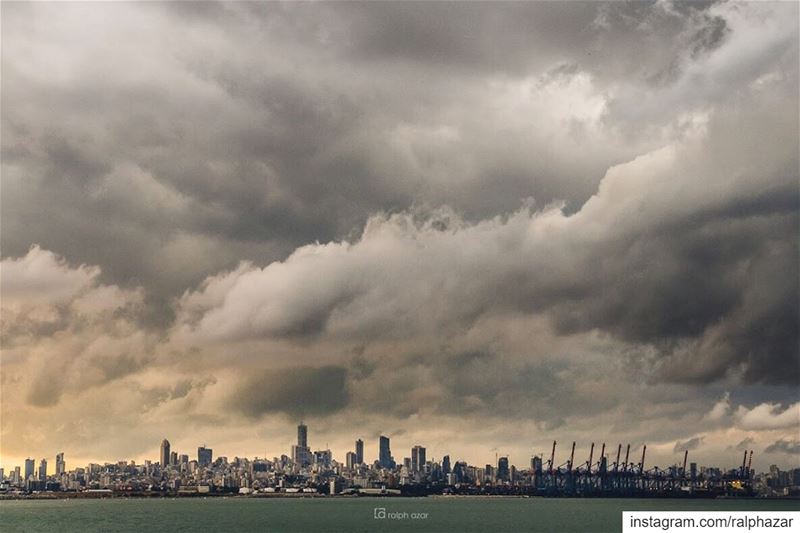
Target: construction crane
(641, 465)
(625, 464)
(571, 457)
(685, 456)
(552, 457)
(744, 462)
(616, 463)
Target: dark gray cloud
(153, 397)
(691, 444)
(744, 444)
(297, 392)
(784, 446)
(237, 152)
(696, 282)
(45, 391)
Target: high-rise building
(459, 470)
(301, 453)
(323, 458)
(164, 453)
(502, 469)
(173, 458)
(359, 451)
(2, 474)
(417, 458)
(351, 460)
(61, 465)
(204, 456)
(43, 470)
(385, 453)
(446, 464)
(29, 466)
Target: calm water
(302, 515)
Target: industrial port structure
(626, 478)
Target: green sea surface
(435, 514)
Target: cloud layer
(414, 219)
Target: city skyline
(476, 227)
(307, 471)
(424, 455)
(415, 461)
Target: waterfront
(318, 473)
(348, 514)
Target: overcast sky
(474, 227)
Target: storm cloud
(457, 222)
(299, 392)
(784, 446)
(691, 444)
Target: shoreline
(53, 496)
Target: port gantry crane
(626, 478)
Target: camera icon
(379, 513)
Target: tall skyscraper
(417, 458)
(164, 453)
(301, 453)
(204, 456)
(29, 466)
(385, 453)
(446, 464)
(61, 465)
(43, 470)
(502, 469)
(359, 451)
(173, 458)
